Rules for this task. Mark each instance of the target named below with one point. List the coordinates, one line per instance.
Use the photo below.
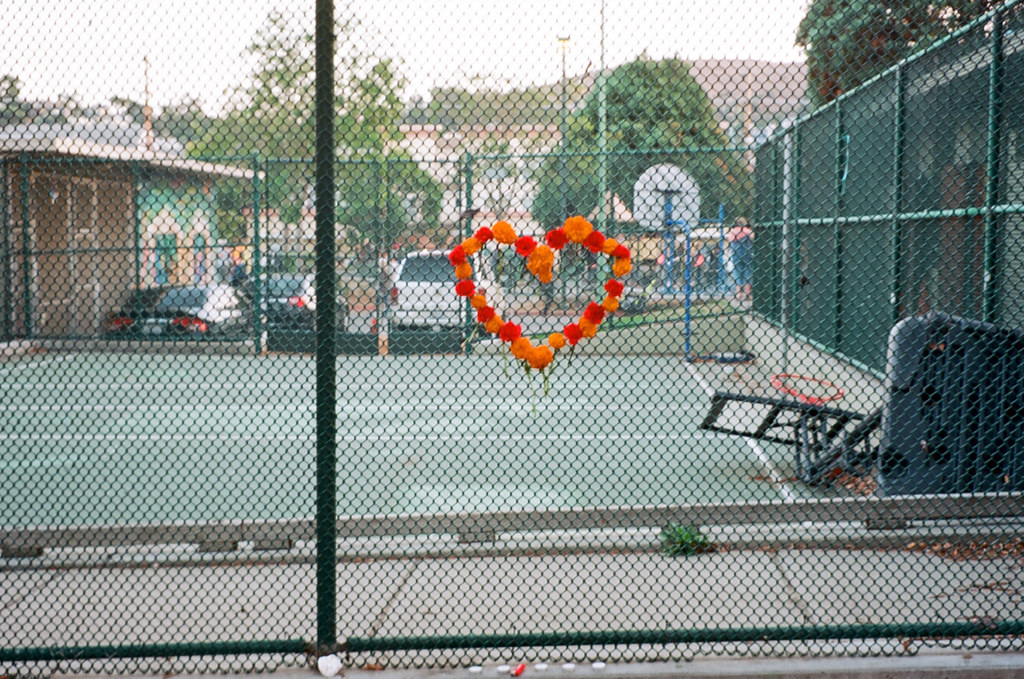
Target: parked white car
(423, 296)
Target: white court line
(774, 476)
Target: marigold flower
(478, 301)
(539, 263)
(521, 347)
(463, 271)
(621, 252)
(613, 287)
(471, 245)
(609, 245)
(465, 288)
(457, 256)
(556, 238)
(594, 242)
(573, 333)
(525, 245)
(556, 340)
(540, 357)
(485, 314)
(503, 233)
(577, 228)
(594, 313)
(510, 332)
(588, 327)
(494, 325)
(621, 267)
(483, 234)
(610, 304)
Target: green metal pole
(258, 202)
(26, 273)
(136, 228)
(896, 225)
(990, 276)
(467, 229)
(842, 142)
(45, 653)
(326, 375)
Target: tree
(13, 109)
(272, 115)
(653, 109)
(849, 41)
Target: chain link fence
(336, 332)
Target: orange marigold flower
(463, 271)
(525, 245)
(540, 261)
(457, 255)
(609, 245)
(521, 347)
(610, 304)
(540, 357)
(621, 267)
(510, 332)
(594, 242)
(594, 313)
(485, 314)
(588, 327)
(577, 228)
(478, 301)
(494, 325)
(613, 287)
(465, 288)
(556, 340)
(556, 238)
(471, 245)
(483, 234)
(503, 233)
(573, 333)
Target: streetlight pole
(562, 169)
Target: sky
(98, 49)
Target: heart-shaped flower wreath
(540, 259)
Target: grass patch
(680, 540)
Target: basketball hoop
(810, 390)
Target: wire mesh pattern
(439, 353)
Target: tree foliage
(272, 116)
(653, 109)
(849, 41)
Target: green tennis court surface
(126, 438)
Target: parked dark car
(182, 311)
(289, 302)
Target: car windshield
(143, 299)
(285, 287)
(433, 269)
(184, 298)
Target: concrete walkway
(596, 583)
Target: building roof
(106, 140)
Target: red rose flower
(525, 245)
(573, 333)
(594, 313)
(594, 241)
(485, 314)
(457, 256)
(483, 234)
(465, 288)
(621, 252)
(614, 287)
(510, 332)
(556, 238)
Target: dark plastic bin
(954, 418)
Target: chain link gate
(622, 357)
